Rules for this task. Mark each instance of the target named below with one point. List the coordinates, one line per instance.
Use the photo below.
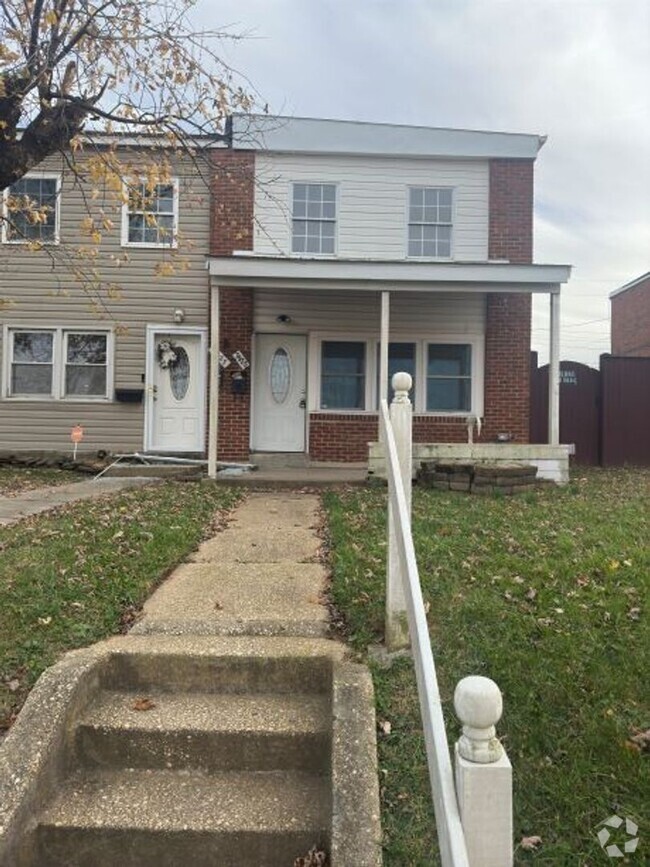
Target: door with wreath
(176, 393)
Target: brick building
(337, 254)
(631, 318)
(343, 252)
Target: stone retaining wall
(478, 478)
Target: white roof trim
(320, 135)
(631, 285)
(375, 275)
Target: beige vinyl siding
(42, 291)
(411, 313)
(372, 204)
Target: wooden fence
(605, 413)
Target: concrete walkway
(39, 500)
(260, 576)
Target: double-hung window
(343, 374)
(430, 222)
(314, 218)
(150, 217)
(449, 377)
(31, 210)
(58, 363)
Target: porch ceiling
(376, 275)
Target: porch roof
(267, 272)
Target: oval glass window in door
(280, 375)
(179, 373)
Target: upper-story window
(31, 210)
(150, 217)
(314, 218)
(430, 222)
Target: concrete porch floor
(313, 475)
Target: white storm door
(280, 391)
(177, 395)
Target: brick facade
(236, 323)
(510, 233)
(233, 194)
(631, 321)
(345, 436)
(507, 367)
(233, 200)
(508, 316)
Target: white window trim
(407, 215)
(56, 176)
(476, 341)
(150, 245)
(58, 364)
(337, 202)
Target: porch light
(283, 319)
(179, 315)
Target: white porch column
(383, 346)
(554, 372)
(213, 409)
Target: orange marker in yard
(76, 435)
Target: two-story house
(343, 252)
(337, 253)
(87, 317)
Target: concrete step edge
(260, 714)
(231, 802)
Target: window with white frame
(449, 377)
(430, 222)
(150, 216)
(58, 363)
(343, 374)
(314, 218)
(31, 210)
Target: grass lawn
(16, 480)
(80, 574)
(547, 593)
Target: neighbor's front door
(176, 396)
(280, 384)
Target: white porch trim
(213, 404)
(373, 275)
(554, 374)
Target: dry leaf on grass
(314, 858)
(385, 727)
(143, 704)
(639, 740)
(530, 843)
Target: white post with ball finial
(401, 417)
(483, 774)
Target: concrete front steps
(242, 757)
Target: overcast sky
(575, 70)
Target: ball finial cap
(478, 702)
(479, 705)
(402, 382)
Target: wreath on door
(167, 354)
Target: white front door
(176, 396)
(280, 392)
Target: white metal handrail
(451, 838)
